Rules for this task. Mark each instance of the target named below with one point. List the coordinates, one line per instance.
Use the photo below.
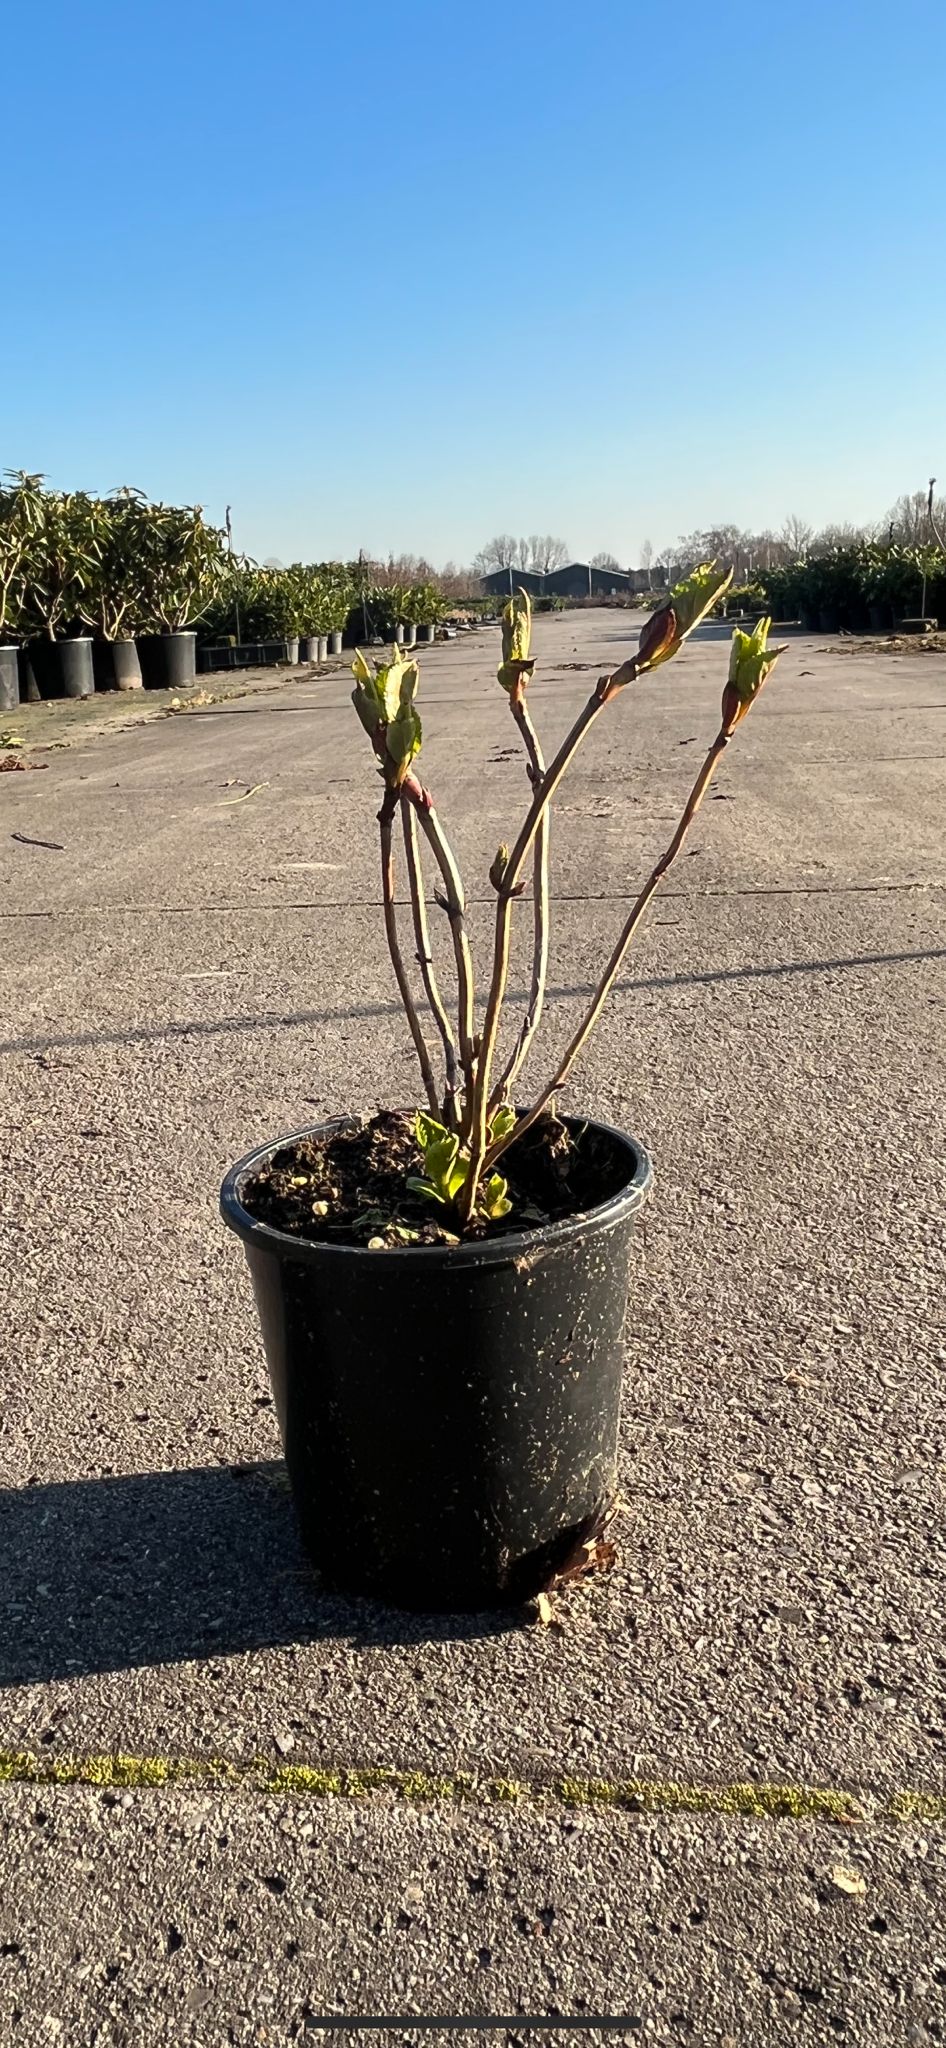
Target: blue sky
(403, 277)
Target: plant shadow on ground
(114, 1573)
(39, 1043)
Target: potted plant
(339, 593)
(442, 1295)
(58, 567)
(16, 529)
(426, 607)
(311, 590)
(182, 564)
(112, 601)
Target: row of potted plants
(112, 592)
(313, 608)
(120, 574)
(863, 588)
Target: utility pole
(929, 536)
(236, 601)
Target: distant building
(576, 580)
(582, 579)
(502, 582)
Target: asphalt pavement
(572, 1823)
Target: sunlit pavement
(188, 968)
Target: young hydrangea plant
(470, 1123)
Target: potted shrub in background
(17, 518)
(426, 607)
(112, 602)
(58, 566)
(442, 1296)
(183, 562)
(398, 597)
(309, 586)
(339, 594)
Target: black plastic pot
(168, 660)
(426, 633)
(126, 666)
(30, 692)
(75, 667)
(449, 1414)
(116, 665)
(335, 643)
(309, 647)
(9, 678)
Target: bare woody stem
(613, 967)
(425, 961)
(542, 797)
(430, 825)
(397, 961)
(540, 911)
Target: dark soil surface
(350, 1186)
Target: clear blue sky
(404, 276)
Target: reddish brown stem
(613, 967)
(544, 793)
(456, 911)
(425, 961)
(397, 962)
(540, 912)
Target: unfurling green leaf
(517, 627)
(750, 662)
(444, 1174)
(517, 666)
(384, 700)
(495, 1197)
(446, 1168)
(688, 603)
(503, 1122)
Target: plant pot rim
(491, 1251)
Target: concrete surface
(191, 973)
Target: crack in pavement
(264, 907)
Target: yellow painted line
(742, 1801)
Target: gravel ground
(198, 968)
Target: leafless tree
(797, 536)
(722, 544)
(843, 535)
(647, 554)
(908, 521)
(605, 561)
(504, 551)
(546, 553)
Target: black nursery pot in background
(449, 1414)
(9, 678)
(75, 666)
(168, 660)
